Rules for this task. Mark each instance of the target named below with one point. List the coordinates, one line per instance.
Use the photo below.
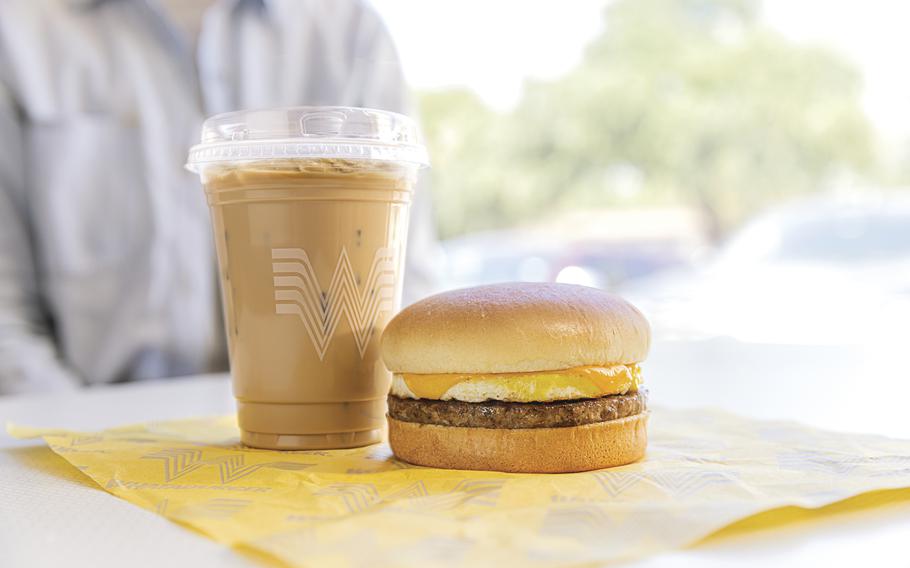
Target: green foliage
(678, 102)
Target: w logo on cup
(297, 292)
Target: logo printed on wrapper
(179, 462)
(297, 292)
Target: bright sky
(873, 35)
(490, 46)
(493, 46)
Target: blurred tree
(678, 101)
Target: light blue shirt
(107, 268)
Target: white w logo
(297, 292)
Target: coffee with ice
(310, 212)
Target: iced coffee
(311, 252)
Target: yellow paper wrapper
(704, 470)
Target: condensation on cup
(310, 213)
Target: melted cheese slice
(539, 386)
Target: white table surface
(49, 522)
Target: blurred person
(107, 267)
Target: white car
(822, 271)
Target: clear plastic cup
(310, 213)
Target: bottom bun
(525, 450)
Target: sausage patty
(514, 415)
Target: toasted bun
(528, 450)
(512, 328)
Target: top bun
(513, 328)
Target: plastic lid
(308, 132)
